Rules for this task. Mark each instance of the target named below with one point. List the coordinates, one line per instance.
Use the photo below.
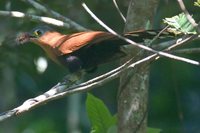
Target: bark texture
(133, 92)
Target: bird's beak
(24, 37)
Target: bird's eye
(38, 32)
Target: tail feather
(142, 35)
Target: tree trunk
(133, 91)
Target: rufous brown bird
(83, 50)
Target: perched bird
(83, 50)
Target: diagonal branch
(160, 53)
(61, 89)
(119, 11)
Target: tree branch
(160, 53)
(43, 19)
(57, 15)
(118, 10)
(61, 89)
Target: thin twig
(139, 45)
(119, 11)
(157, 36)
(178, 43)
(57, 15)
(189, 17)
(190, 37)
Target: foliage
(179, 24)
(197, 3)
(99, 115)
(101, 119)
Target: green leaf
(153, 130)
(197, 3)
(100, 117)
(179, 24)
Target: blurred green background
(174, 93)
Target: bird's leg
(73, 78)
(74, 65)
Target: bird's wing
(75, 41)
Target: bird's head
(34, 35)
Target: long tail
(142, 35)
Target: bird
(83, 51)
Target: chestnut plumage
(83, 50)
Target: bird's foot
(72, 79)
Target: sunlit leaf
(197, 3)
(179, 24)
